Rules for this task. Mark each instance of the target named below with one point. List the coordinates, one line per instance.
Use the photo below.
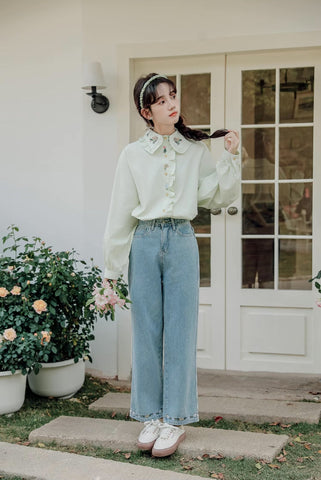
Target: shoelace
(151, 423)
(167, 431)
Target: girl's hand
(232, 141)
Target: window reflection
(172, 78)
(258, 209)
(296, 94)
(296, 152)
(202, 222)
(258, 263)
(295, 264)
(258, 156)
(204, 247)
(295, 214)
(258, 96)
(196, 108)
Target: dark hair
(150, 96)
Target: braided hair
(149, 97)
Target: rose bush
(46, 291)
(21, 351)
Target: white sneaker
(169, 439)
(148, 435)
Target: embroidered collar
(151, 141)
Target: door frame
(126, 54)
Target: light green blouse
(163, 176)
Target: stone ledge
(41, 464)
(244, 409)
(123, 435)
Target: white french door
(272, 245)
(200, 82)
(256, 305)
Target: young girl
(160, 181)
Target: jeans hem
(145, 418)
(181, 420)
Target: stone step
(41, 464)
(116, 434)
(244, 409)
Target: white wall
(41, 113)
(57, 156)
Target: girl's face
(165, 111)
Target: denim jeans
(163, 277)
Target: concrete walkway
(244, 409)
(256, 385)
(123, 435)
(259, 385)
(40, 464)
(253, 397)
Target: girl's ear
(146, 113)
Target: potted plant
(18, 356)
(59, 288)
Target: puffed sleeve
(120, 224)
(219, 185)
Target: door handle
(216, 211)
(232, 210)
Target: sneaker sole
(168, 451)
(145, 446)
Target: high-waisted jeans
(163, 279)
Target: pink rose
(113, 298)
(100, 301)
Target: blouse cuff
(234, 155)
(111, 274)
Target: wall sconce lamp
(93, 79)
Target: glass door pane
(277, 178)
(196, 111)
(296, 95)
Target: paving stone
(259, 411)
(123, 435)
(244, 409)
(259, 385)
(41, 464)
(112, 402)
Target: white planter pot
(12, 391)
(60, 379)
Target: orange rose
(3, 292)
(40, 306)
(45, 337)
(16, 290)
(9, 334)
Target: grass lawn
(300, 460)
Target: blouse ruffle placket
(169, 174)
(167, 147)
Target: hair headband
(146, 85)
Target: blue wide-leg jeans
(163, 279)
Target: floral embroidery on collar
(152, 141)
